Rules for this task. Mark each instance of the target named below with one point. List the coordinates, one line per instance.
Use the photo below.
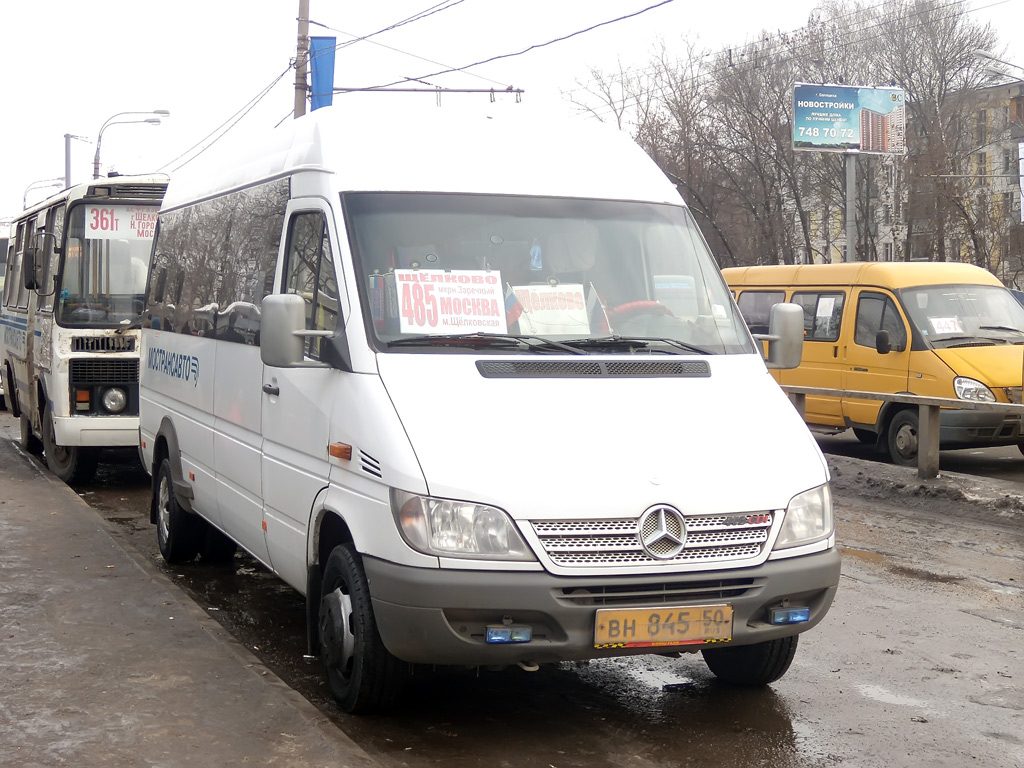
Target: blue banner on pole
(321, 65)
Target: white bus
(72, 308)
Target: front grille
(709, 539)
(532, 369)
(1013, 394)
(109, 372)
(656, 593)
(103, 344)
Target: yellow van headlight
(449, 528)
(972, 389)
(808, 518)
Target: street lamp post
(112, 120)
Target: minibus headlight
(114, 400)
(448, 528)
(972, 389)
(808, 518)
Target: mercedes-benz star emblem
(662, 532)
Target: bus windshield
(965, 315)
(105, 263)
(591, 273)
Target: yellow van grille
(1013, 394)
(709, 539)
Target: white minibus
(72, 307)
(475, 387)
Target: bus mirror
(785, 336)
(29, 268)
(282, 318)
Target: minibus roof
(888, 274)
(513, 150)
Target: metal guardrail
(928, 416)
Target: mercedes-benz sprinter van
(477, 389)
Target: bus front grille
(109, 372)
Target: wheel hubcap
(163, 499)
(337, 640)
(906, 441)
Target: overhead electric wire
(233, 120)
(525, 50)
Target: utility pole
(301, 57)
(851, 205)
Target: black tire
(216, 548)
(179, 534)
(752, 665)
(1020, 445)
(362, 675)
(903, 438)
(866, 436)
(71, 463)
(29, 442)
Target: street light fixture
(112, 120)
(40, 184)
(991, 70)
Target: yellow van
(925, 328)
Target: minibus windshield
(965, 315)
(104, 264)
(611, 276)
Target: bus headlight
(448, 528)
(972, 389)
(808, 518)
(114, 400)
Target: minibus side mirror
(785, 336)
(883, 344)
(282, 331)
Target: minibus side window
(823, 314)
(877, 312)
(309, 273)
(756, 307)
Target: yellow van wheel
(903, 431)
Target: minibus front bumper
(441, 616)
(979, 428)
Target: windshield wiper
(631, 343)
(1000, 328)
(479, 340)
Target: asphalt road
(919, 663)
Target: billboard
(840, 118)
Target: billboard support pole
(851, 208)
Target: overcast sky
(68, 66)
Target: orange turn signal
(340, 451)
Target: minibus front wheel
(903, 432)
(71, 463)
(363, 676)
(752, 665)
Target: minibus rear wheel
(752, 665)
(363, 676)
(903, 432)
